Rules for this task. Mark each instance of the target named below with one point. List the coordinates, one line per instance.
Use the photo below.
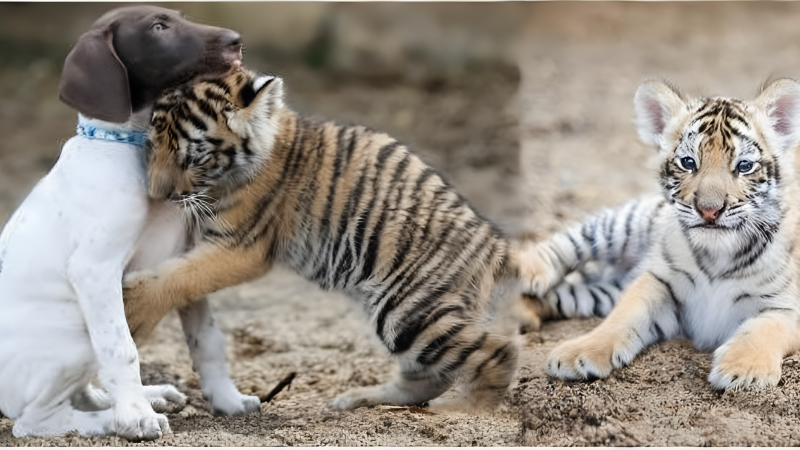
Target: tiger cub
(347, 207)
(714, 259)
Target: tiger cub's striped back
(351, 209)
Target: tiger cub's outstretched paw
(739, 366)
(143, 308)
(537, 272)
(587, 357)
(363, 396)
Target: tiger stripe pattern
(596, 259)
(713, 260)
(347, 207)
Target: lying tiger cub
(347, 207)
(715, 259)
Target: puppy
(64, 251)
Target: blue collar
(137, 138)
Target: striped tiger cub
(714, 259)
(347, 207)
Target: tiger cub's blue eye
(688, 163)
(744, 167)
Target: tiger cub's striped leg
(570, 299)
(752, 357)
(485, 376)
(455, 347)
(402, 391)
(615, 238)
(574, 298)
(485, 364)
(645, 314)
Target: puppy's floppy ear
(94, 80)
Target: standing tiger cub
(349, 208)
(715, 259)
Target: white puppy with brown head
(64, 251)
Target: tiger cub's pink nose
(710, 213)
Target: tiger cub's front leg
(645, 314)
(177, 282)
(753, 356)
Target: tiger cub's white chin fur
(714, 259)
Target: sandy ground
(531, 151)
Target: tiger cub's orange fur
(347, 207)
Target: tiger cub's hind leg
(576, 298)
(573, 298)
(484, 375)
(482, 363)
(401, 391)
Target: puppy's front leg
(94, 271)
(752, 357)
(643, 316)
(177, 282)
(207, 349)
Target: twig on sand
(286, 381)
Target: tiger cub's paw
(537, 272)
(587, 357)
(142, 308)
(533, 311)
(358, 397)
(744, 367)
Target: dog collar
(89, 131)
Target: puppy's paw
(587, 357)
(226, 400)
(737, 366)
(240, 405)
(165, 398)
(135, 420)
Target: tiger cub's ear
(656, 103)
(779, 101)
(250, 91)
(263, 91)
(261, 98)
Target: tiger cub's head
(212, 136)
(724, 162)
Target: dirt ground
(532, 147)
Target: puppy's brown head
(130, 55)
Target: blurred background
(526, 108)
(440, 77)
